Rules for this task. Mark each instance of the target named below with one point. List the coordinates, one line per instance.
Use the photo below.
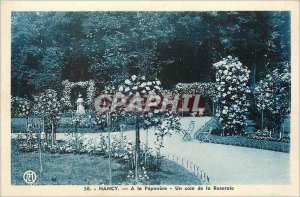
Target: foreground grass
(70, 169)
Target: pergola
(207, 90)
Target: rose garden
(104, 121)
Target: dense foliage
(49, 47)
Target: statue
(80, 108)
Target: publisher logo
(29, 177)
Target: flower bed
(243, 141)
(265, 135)
(122, 151)
(65, 169)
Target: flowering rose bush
(140, 107)
(140, 86)
(231, 83)
(20, 107)
(273, 95)
(47, 103)
(48, 106)
(163, 121)
(164, 126)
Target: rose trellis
(204, 89)
(88, 85)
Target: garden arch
(205, 89)
(88, 85)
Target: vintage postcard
(149, 98)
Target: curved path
(232, 164)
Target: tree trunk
(213, 105)
(279, 125)
(52, 131)
(137, 147)
(18, 89)
(254, 76)
(90, 121)
(43, 131)
(81, 73)
(283, 127)
(262, 119)
(40, 148)
(273, 127)
(146, 146)
(122, 136)
(76, 125)
(109, 149)
(27, 122)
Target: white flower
(134, 87)
(127, 89)
(133, 77)
(157, 87)
(143, 84)
(128, 82)
(228, 78)
(224, 111)
(121, 88)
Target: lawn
(70, 169)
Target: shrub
(231, 83)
